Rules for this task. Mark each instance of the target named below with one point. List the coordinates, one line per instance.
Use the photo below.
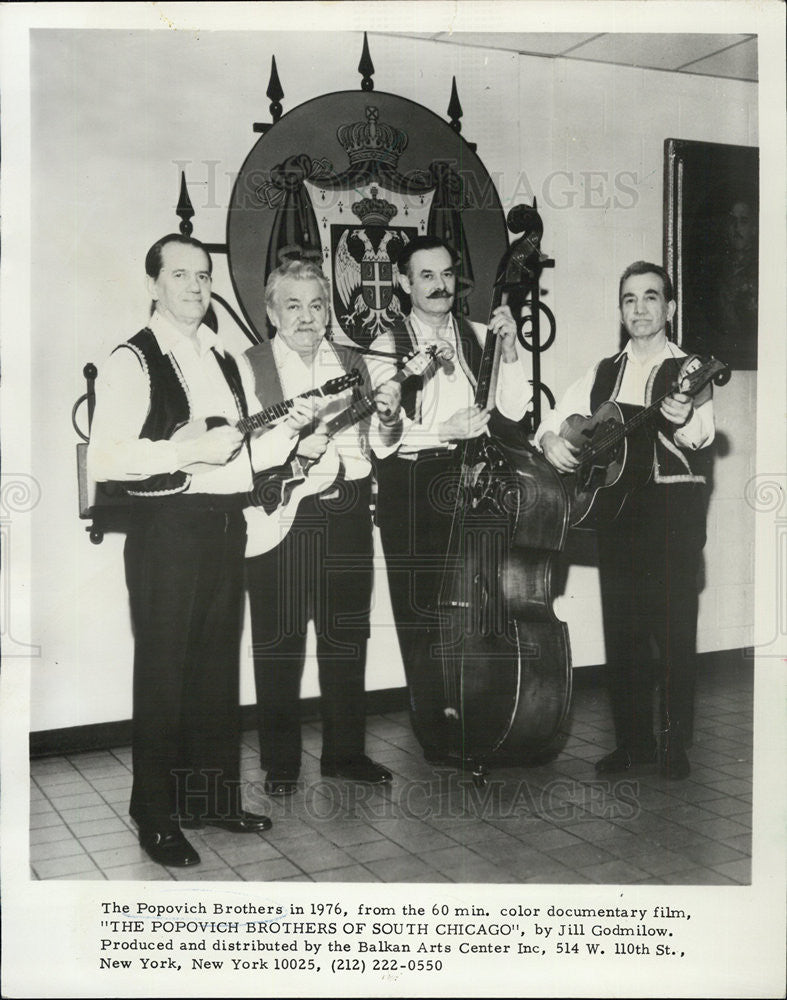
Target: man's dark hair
(421, 243)
(154, 261)
(645, 267)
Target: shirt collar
(169, 336)
(283, 354)
(427, 334)
(669, 350)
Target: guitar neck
(364, 406)
(273, 412)
(697, 381)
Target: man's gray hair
(301, 270)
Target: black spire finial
(455, 112)
(185, 209)
(274, 92)
(366, 66)
(455, 108)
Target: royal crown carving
(374, 211)
(372, 140)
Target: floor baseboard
(104, 735)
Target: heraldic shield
(348, 179)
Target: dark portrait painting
(711, 247)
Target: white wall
(115, 114)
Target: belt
(415, 456)
(219, 502)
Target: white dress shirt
(296, 376)
(448, 389)
(697, 432)
(117, 452)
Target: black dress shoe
(170, 849)
(244, 822)
(614, 763)
(360, 769)
(621, 759)
(280, 782)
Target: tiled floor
(555, 822)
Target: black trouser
(415, 508)
(184, 571)
(649, 561)
(322, 570)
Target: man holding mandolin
(643, 478)
(169, 405)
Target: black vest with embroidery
(671, 463)
(169, 407)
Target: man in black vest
(183, 552)
(649, 557)
(311, 558)
(416, 472)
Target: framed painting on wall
(711, 223)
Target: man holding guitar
(155, 429)
(310, 539)
(649, 555)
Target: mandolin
(193, 429)
(616, 455)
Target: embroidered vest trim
(670, 462)
(169, 406)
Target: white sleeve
(514, 389)
(382, 370)
(116, 451)
(575, 400)
(268, 448)
(271, 448)
(699, 430)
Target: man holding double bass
(649, 556)
(418, 470)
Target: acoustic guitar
(616, 455)
(277, 492)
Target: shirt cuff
(692, 435)
(272, 448)
(130, 461)
(379, 436)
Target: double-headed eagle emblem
(366, 282)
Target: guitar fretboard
(690, 384)
(364, 405)
(273, 412)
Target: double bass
(495, 677)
